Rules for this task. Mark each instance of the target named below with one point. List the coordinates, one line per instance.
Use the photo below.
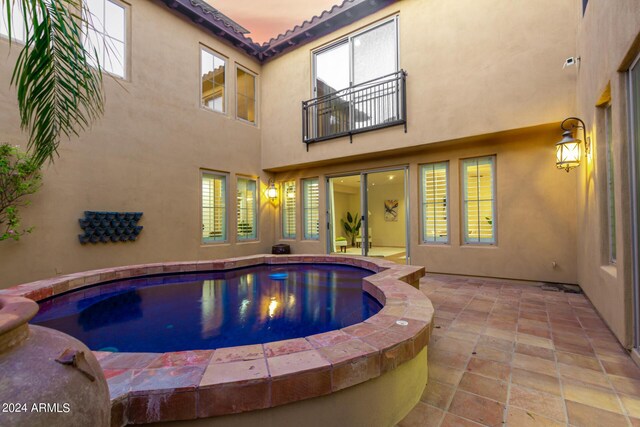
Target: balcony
(374, 104)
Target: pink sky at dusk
(268, 18)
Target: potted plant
(352, 226)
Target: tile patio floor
(505, 353)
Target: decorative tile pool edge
(155, 387)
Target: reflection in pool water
(212, 310)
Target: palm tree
(59, 91)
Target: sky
(268, 18)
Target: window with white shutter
(214, 207)
(289, 210)
(478, 180)
(311, 209)
(246, 216)
(434, 185)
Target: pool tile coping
(157, 387)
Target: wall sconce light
(568, 151)
(272, 191)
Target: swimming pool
(199, 311)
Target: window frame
(305, 208)
(610, 183)
(348, 40)
(494, 202)
(283, 197)
(225, 175)
(225, 101)
(126, 41)
(255, 93)
(256, 204)
(422, 169)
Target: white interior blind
(435, 206)
(289, 210)
(311, 209)
(247, 226)
(214, 210)
(478, 176)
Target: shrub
(19, 176)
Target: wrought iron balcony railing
(371, 105)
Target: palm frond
(59, 92)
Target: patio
(507, 352)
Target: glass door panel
(345, 215)
(332, 74)
(384, 233)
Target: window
(247, 209)
(246, 95)
(18, 29)
(105, 40)
(213, 89)
(214, 207)
(289, 210)
(611, 202)
(311, 209)
(435, 204)
(478, 178)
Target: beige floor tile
(587, 416)
(451, 420)
(489, 353)
(445, 374)
(579, 360)
(499, 333)
(464, 335)
(497, 343)
(483, 386)
(535, 364)
(454, 345)
(477, 408)
(535, 380)
(534, 340)
(535, 351)
(422, 415)
(489, 368)
(517, 417)
(585, 375)
(446, 358)
(538, 402)
(631, 404)
(591, 396)
(438, 394)
(625, 385)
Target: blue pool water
(211, 310)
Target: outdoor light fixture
(568, 151)
(272, 191)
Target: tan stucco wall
(536, 207)
(145, 154)
(475, 67)
(607, 43)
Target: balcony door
(362, 59)
(368, 214)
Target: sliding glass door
(368, 214)
(634, 128)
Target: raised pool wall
(369, 373)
